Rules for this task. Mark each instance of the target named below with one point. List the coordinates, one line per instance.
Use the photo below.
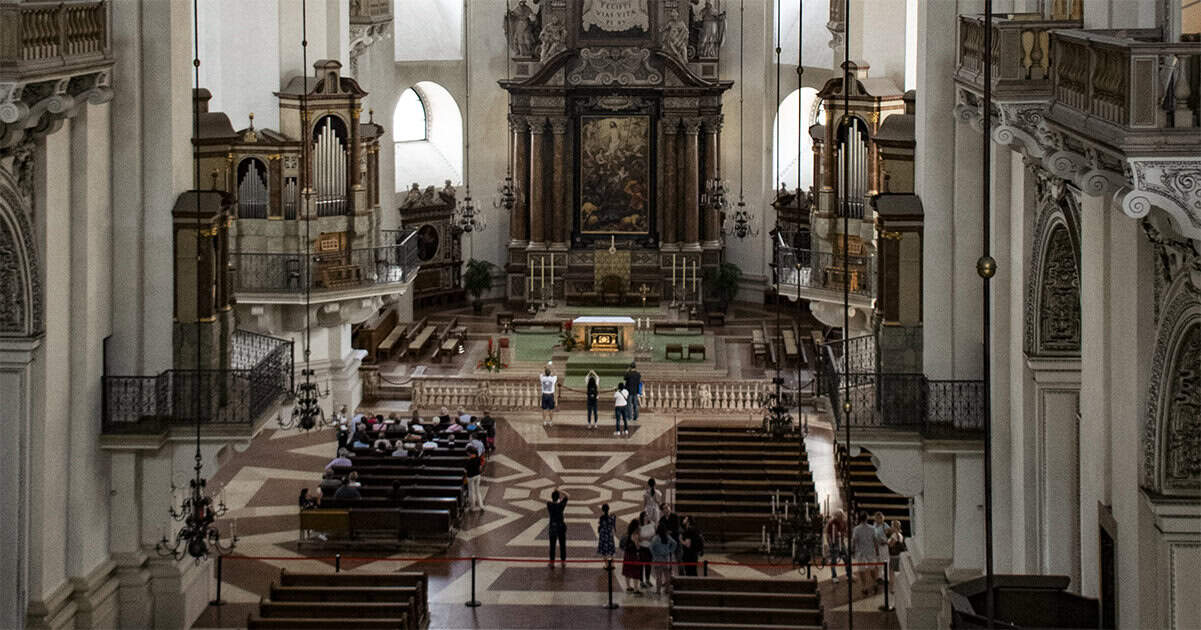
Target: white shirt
(619, 398)
(548, 383)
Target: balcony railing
(1131, 78)
(260, 374)
(808, 269)
(935, 408)
(49, 36)
(1021, 52)
(288, 273)
(369, 11)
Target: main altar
(603, 334)
(615, 113)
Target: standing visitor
(836, 542)
(881, 541)
(652, 499)
(475, 500)
(630, 570)
(606, 528)
(634, 382)
(663, 551)
(864, 547)
(646, 534)
(548, 381)
(592, 386)
(557, 527)
(896, 546)
(619, 410)
(693, 545)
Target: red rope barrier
(601, 561)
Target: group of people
(653, 543)
(625, 398)
(872, 541)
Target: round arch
(20, 289)
(437, 156)
(797, 108)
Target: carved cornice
(1172, 184)
(614, 66)
(37, 107)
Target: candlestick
(762, 537)
(694, 278)
(673, 271)
(542, 272)
(233, 530)
(552, 270)
(794, 548)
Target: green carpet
(533, 346)
(538, 346)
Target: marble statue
(519, 29)
(712, 31)
(554, 38)
(675, 37)
(448, 192)
(412, 197)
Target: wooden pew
(717, 603)
(375, 331)
(397, 338)
(448, 340)
(417, 345)
(791, 349)
(759, 346)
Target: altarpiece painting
(615, 168)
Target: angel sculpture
(413, 197)
(554, 38)
(713, 31)
(519, 30)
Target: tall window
(800, 107)
(427, 129)
(409, 122)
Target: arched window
(428, 137)
(436, 35)
(800, 105)
(409, 122)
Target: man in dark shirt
(634, 383)
(557, 529)
(347, 491)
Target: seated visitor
(401, 449)
(444, 417)
(428, 444)
(329, 485)
(361, 438)
(354, 479)
(343, 435)
(464, 418)
(347, 492)
(488, 424)
(305, 501)
(342, 460)
(382, 444)
(475, 443)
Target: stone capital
(692, 125)
(537, 124)
(671, 125)
(559, 124)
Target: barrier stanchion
(706, 568)
(337, 563)
(609, 571)
(220, 571)
(473, 602)
(887, 570)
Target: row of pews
(346, 601)
(431, 500)
(715, 603)
(384, 338)
(870, 494)
(726, 478)
(797, 349)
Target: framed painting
(615, 175)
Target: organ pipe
(252, 192)
(331, 170)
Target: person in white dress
(652, 501)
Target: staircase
(714, 603)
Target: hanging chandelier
(199, 536)
(306, 409)
(465, 217)
(742, 223)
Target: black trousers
(558, 534)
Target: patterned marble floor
(262, 482)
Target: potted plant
(477, 278)
(723, 281)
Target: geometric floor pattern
(260, 486)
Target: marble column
(671, 187)
(691, 168)
(519, 232)
(537, 210)
(558, 218)
(712, 213)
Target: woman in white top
(621, 400)
(652, 501)
(548, 382)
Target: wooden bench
(398, 338)
(791, 349)
(374, 332)
(419, 341)
(417, 582)
(758, 346)
(448, 340)
(364, 594)
(716, 318)
(696, 348)
(717, 603)
(675, 348)
(690, 327)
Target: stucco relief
(1182, 452)
(20, 288)
(1052, 305)
(607, 66)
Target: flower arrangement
(566, 338)
(492, 361)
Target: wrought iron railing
(808, 269)
(260, 374)
(288, 273)
(936, 408)
(42, 35)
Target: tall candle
(673, 270)
(694, 276)
(542, 272)
(552, 270)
